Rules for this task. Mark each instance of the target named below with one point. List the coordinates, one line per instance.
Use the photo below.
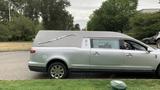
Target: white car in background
(59, 52)
(158, 40)
(150, 40)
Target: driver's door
(137, 57)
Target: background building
(150, 10)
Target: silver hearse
(58, 52)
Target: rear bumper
(37, 69)
(36, 66)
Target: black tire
(158, 43)
(57, 70)
(158, 71)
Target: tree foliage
(4, 33)
(113, 15)
(22, 29)
(55, 16)
(29, 16)
(144, 25)
(3, 11)
(19, 29)
(53, 12)
(32, 9)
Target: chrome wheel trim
(57, 71)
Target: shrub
(4, 33)
(22, 29)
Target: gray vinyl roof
(51, 38)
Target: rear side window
(105, 43)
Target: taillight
(32, 50)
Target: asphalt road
(13, 66)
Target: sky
(82, 9)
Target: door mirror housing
(149, 50)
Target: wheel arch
(53, 60)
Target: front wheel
(57, 71)
(158, 72)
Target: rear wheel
(158, 43)
(57, 70)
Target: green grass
(76, 85)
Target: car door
(105, 54)
(137, 57)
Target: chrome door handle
(96, 53)
(129, 55)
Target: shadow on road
(103, 75)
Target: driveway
(13, 66)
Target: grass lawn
(15, 46)
(76, 85)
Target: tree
(15, 7)
(22, 29)
(33, 9)
(26, 15)
(4, 15)
(53, 13)
(4, 33)
(144, 25)
(55, 16)
(113, 15)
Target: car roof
(52, 38)
(87, 33)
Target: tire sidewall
(58, 63)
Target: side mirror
(149, 50)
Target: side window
(131, 45)
(125, 45)
(137, 46)
(105, 43)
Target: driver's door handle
(129, 55)
(96, 53)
